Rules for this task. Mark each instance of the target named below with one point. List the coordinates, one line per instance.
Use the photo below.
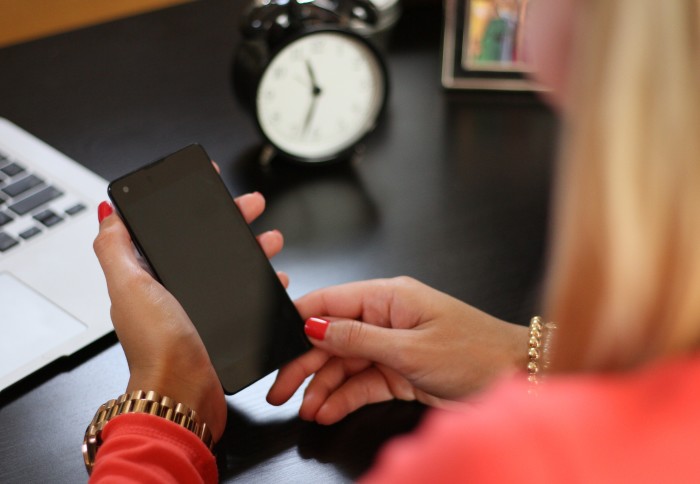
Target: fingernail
(104, 209)
(316, 328)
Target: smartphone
(186, 225)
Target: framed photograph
(484, 45)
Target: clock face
(320, 94)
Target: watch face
(320, 94)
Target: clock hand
(301, 81)
(309, 115)
(315, 93)
(315, 89)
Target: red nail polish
(104, 210)
(316, 328)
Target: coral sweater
(642, 426)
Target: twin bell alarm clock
(312, 76)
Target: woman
(623, 286)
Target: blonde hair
(624, 273)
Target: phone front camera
(126, 189)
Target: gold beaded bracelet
(539, 348)
(141, 402)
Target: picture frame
(483, 45)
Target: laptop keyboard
(29, 205)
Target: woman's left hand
(394, 338)
(162, 347)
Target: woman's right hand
(162, 347)
(394, 339)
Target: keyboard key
(77, 208)
(12, 169)
(6, 242)
(48, 218)
(29, 233)
(5, 219)
(22, 185)
(36, 200)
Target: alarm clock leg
(267, 153)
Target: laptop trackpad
(31, 325)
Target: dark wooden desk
(453, 190)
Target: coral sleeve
(639, 426)
(146, 448)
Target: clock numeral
(279, 72)
(317, 46)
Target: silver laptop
(53, 297)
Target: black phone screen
(186, 225)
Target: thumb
(349, 338)
(115, 252)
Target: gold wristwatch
(141, 402)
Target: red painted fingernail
(316, 328)
(104, 210)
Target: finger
(104, 209)
(343, 301)
(350, 338)
(292, 375)
(251, 205)
(380, 302)
(115, 252)
(284, 279)
(216, 166)
(271, 242)
(362, 389)
(326, 381)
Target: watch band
(139, 401)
